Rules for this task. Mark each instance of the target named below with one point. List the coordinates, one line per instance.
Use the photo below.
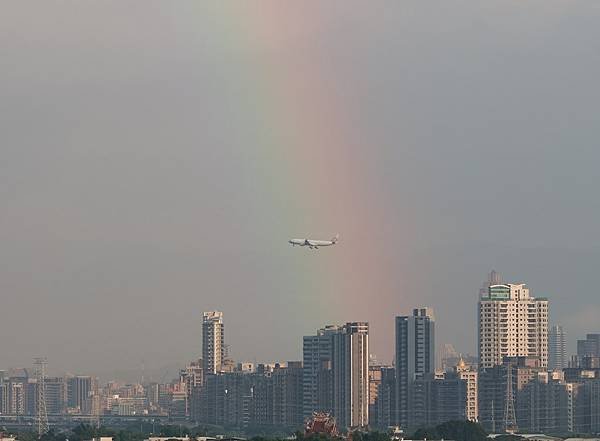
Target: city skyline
(212, 331)
(156, 158)
(211, 326)
(206, 322)
(509, 388)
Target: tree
(83, 432)
(461, 431)
(453, 430)
(426, 433)
(370, 436)
(313, 437)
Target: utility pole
(41, 412)
(493, 419)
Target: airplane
(314, 244)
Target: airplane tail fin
(335, 238)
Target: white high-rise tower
(213, 341)
(513, 324)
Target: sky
(156, 157)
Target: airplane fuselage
(311, 243)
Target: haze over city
(156, 157)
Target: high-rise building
(590, 347)
(573, 392)
(382, 412)
(178, 407)
(17, 385)
(222, 399)
(437, 400)
(17, 398)
(494, 278)
(375, 376)
(56, 391)
(498, 389)
(350, 370)
(213, 341)
(325, 392)
(336, 373)
(447, 357)
(165, 395)
(583, 399)
(415, 356)
(31, 392)
(287, 395)
(587, 413)
(469, 375)
(258, 404)
(271, 396)
(316, 383)
(512, 324)
(193, 378)
(557, 348)
(152, 395)
(584, 362)
(543, 404)
(4, 397)
(80, 390)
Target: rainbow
(316, 169)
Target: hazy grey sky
(156, 156)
